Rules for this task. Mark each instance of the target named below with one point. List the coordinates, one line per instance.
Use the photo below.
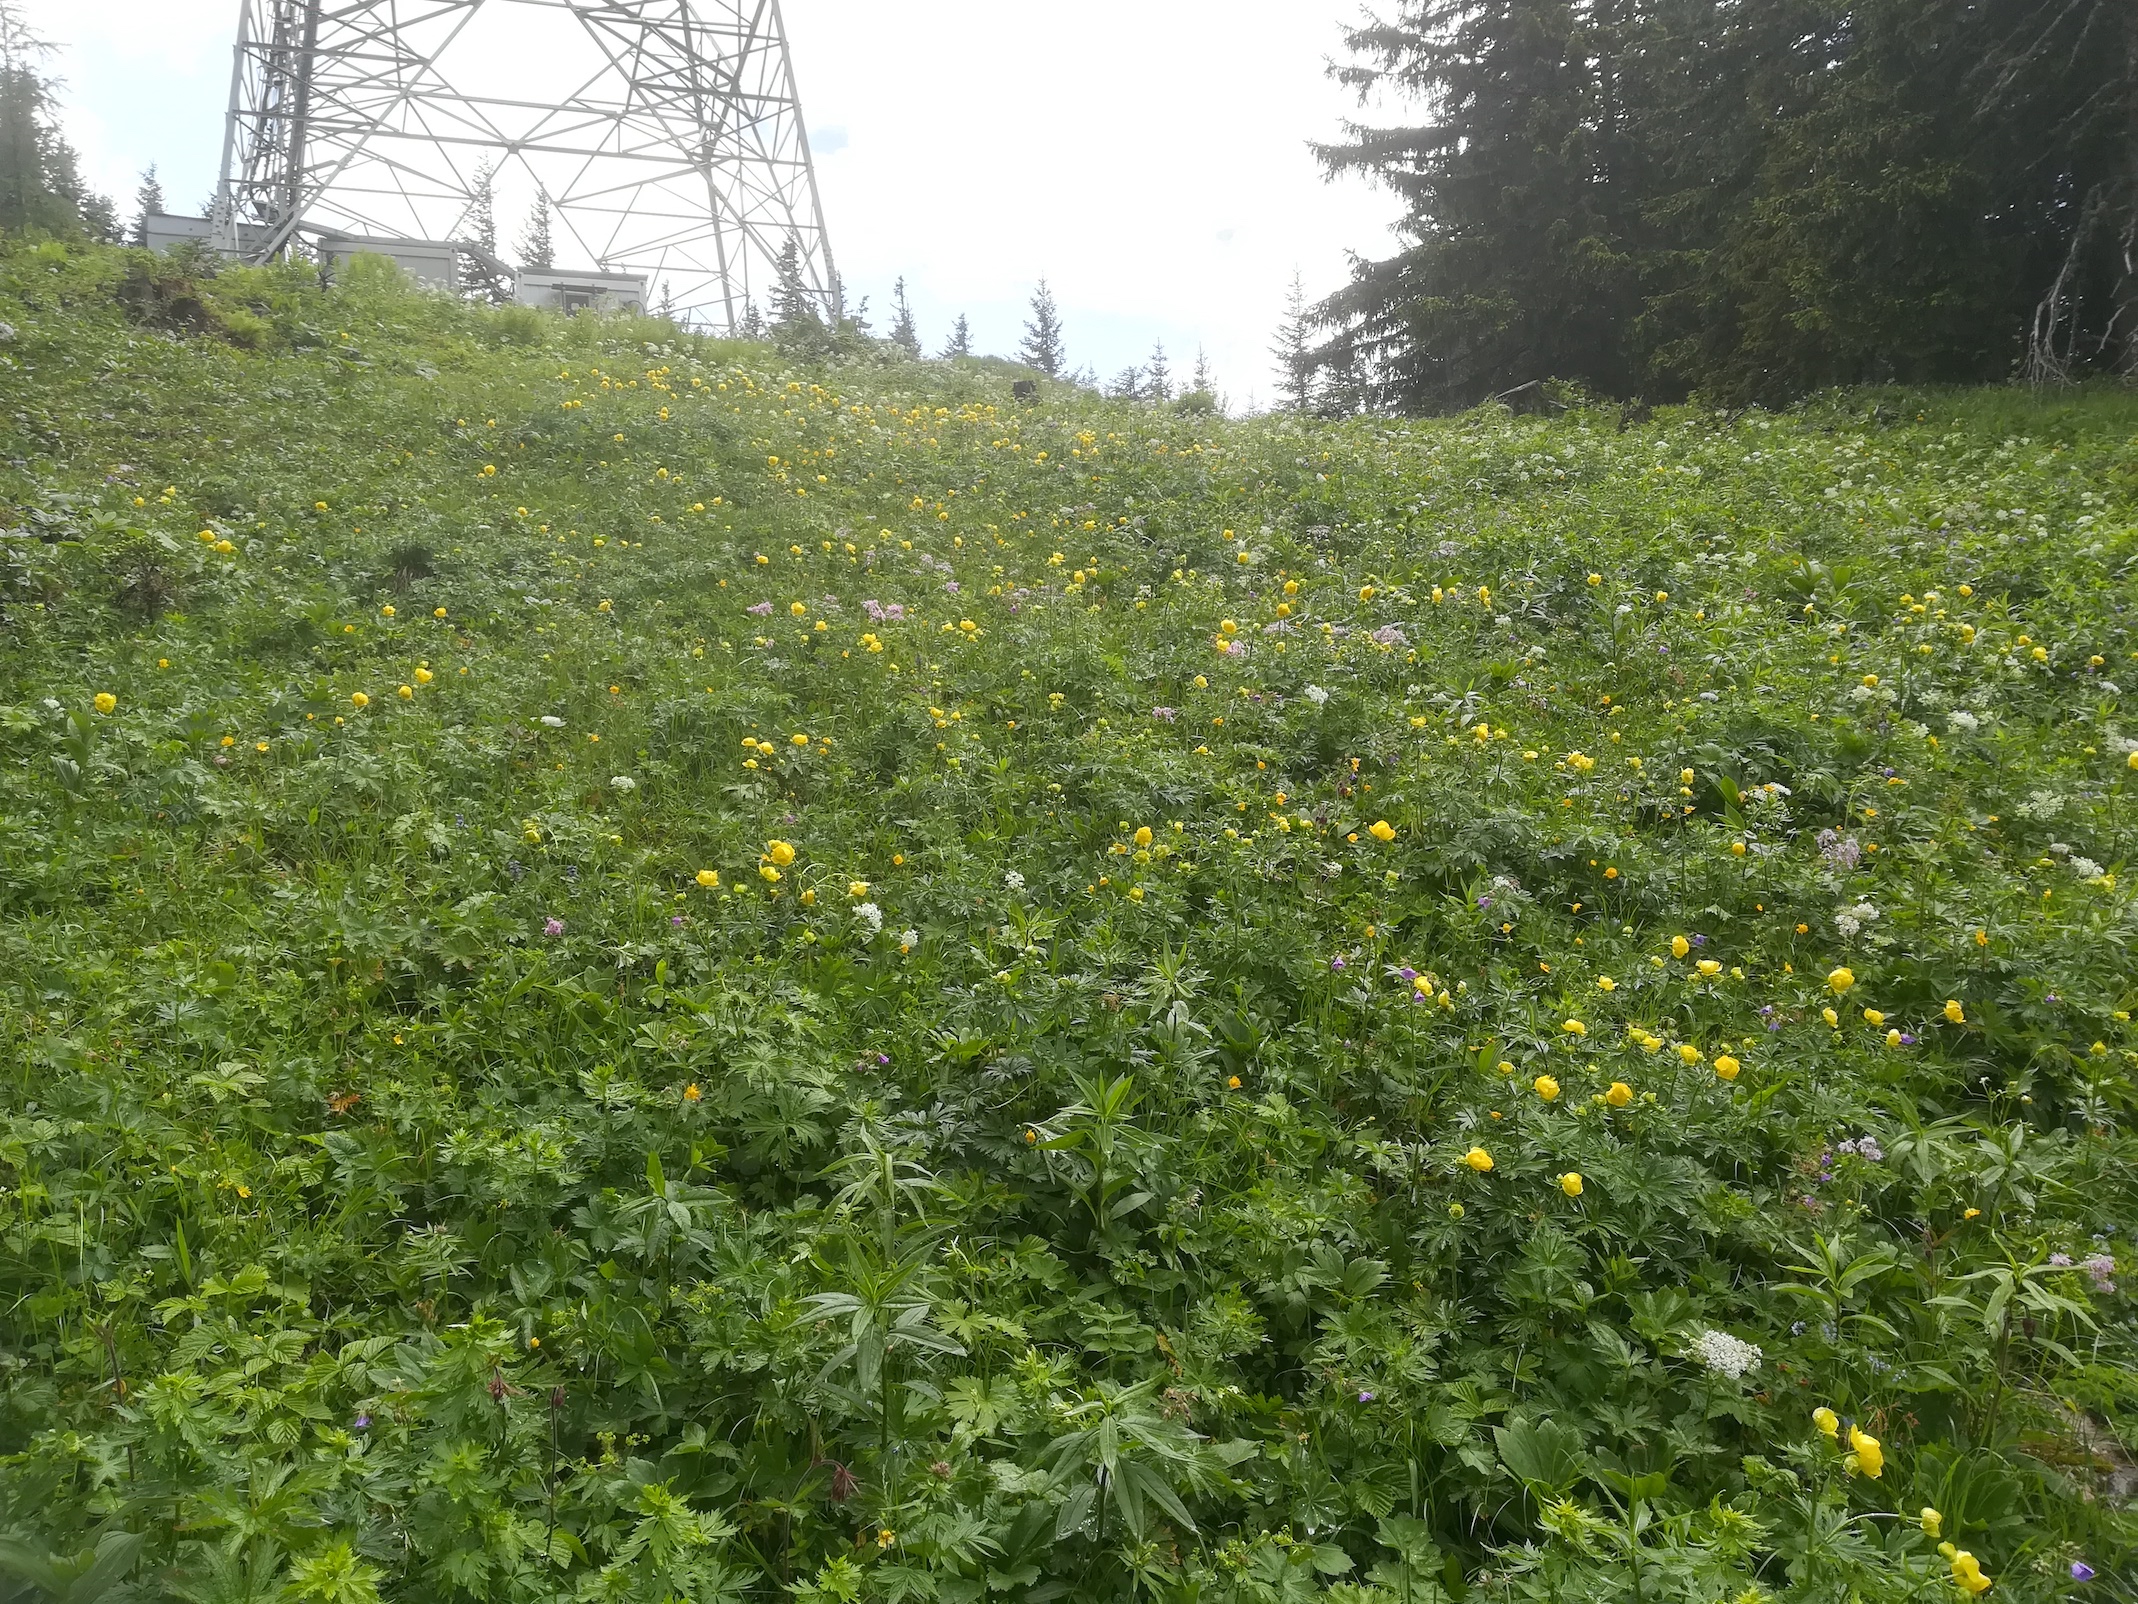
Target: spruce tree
(1042, 347)
(960, 338)
(1158, 383)
(538, 248)
(796, 324)
(1205, 383)
(479, 230)
(1127, 385)
(40, 180)
(1294, 351)
(148, 200)
(904, 334)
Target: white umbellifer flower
(908, 940)
(553, 721)
(623, 782)
(1726, 1355)
(869, 914)
(1316, 695)
(2085, 868)
(1962, 722)
(1013, 880)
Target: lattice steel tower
(666, 134)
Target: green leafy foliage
(634, 970)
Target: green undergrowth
(630, 972)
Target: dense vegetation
(632, 973)
(1747, 198)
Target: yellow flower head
(1478, 1159)
(770, 874)
(780, 852)
(857, 888)
(1546, 1087)
(1833, 1020)
(106, 702)
(424, 676)
(359, 699)
(1709, 968)
(1826, 1420)
(1679, 946)
(1726, 1067)
(1967, 1571)
(1873, 1018)
(1954, 1013)
(797, 608)
(1619, 1095)
(1870, 1458)
(1570, 1183)
(1933, 1522)
(1688, 1053)
(1381, 830)
(1143, 835)
(709, 878)
(1574, 1027)
(1841, 979)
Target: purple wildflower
(676, 920)
(1365, 1396)
(363, 1422)
(951, 585)
(1164, 715)
(1409, 974)
(553, 926)
(762, 609)
(1337, 964)
(2102, 1267)
(2081, 1571)
(2060, 1260)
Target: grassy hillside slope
(628, 973)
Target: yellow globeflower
(709, 878)
(1954, 1013)
(1679, 946)
(797, 608)
(1478, 1159)
(798, 739)
(857, 888)
(1381, 830)
(1933, 1522)
(1709, 968)
(1893, 1038)
(359, 699)
(1547, 1088)
(1873, 1018)
(1143, 835)
(771, 875)
(1570, 1183)
(106, 702)
(1967, 1571)
(1826, 1420)
(1726, 1067)
(1574, 1027)
(407, 693)
(1833, 1020)
(1619, 1095)
(1841, 979)
(780, 852)
(1870, 1458)
(424, 676)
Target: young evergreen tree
(1205, 383)
(479, 230)
(796, 324)
(904, 333)
(1158, 384)
(753, 321)
(1294, 351)
(148, 200)
(960, 338)
(1127, 385)
(1042, 347)
(538, 247)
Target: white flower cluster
(1850, 920)
(1726, 1355)
(1962, 722)
(1013, 880)
(1316, 695)
(869, 914)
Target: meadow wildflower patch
(679, 977)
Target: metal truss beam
(678, 149)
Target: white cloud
(1148, 156)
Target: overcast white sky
(1148, 156)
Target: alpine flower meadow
(636, 969)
